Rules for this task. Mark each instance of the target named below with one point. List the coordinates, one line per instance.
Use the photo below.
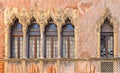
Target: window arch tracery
(16, 40)
(68, 40)
(33, 40)
(107, 45)
(51, 40)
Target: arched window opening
(33, 40)
(68, 40)
(16, 40)
(107, 45)
(51, 40)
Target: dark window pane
(16, 40)
(34, 41)
(107, 45)
(51, 41)
(68, 41)
(51, 27)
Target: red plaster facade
(90, 12)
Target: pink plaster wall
(90, 13)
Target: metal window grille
(107, 67)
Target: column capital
(42, 28)
(24, 30)
(7, 29)
(59, 29)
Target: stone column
(98, 43)
(24, 67)
(59, 47)
(42, 44)
(115, 44)
(7, 43)
(24, 43)
(115, 50)
(58, 66)
(75, 23)
(59, 41)
(76, 66)
(24, 50)
(7, 49)
(76, 38)
(41, 66)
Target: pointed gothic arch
(51, 39)
(113, 23)
(68, 40)
(16, 39)
(33, 39)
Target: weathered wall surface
(90, 13)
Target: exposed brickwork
(1, 67)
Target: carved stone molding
(40, 15)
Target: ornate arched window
(34, 41)
(107, 45)
(68, 40)
(16, 40)
(51, 40)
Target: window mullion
(35, 46)
(107, 46)
(29, 46)
(18, 47)
(11, 50)
(68, 43)
(52, 41)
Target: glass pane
(38, 46)
(55, 50)
(34, 40)
(107, 46)
(65, 47)
(110, 46)
(72, 47)
(15, 47)
(103, 47)
(31, 47)
(51, 27)
(16, 27)
(51, 40)
(34, 29)
(68, 27)
(48, 47)
(16, 39)
(21, 46)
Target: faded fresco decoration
(86, 67)
(14, 67)
(49, 67)
(32, 67)
(67, 67)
